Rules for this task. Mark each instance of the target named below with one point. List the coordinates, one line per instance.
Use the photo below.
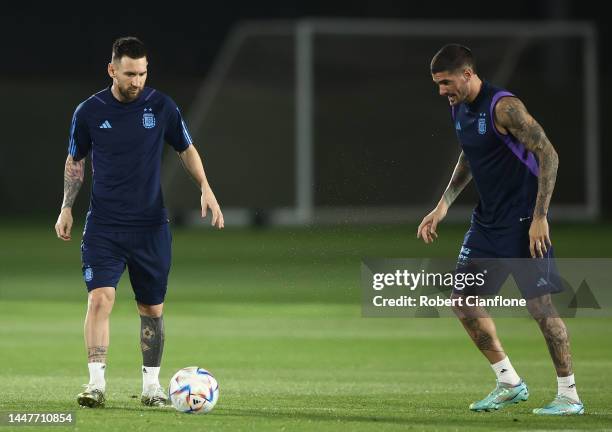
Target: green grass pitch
(275, 315)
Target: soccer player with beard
(123, 129)
(514, 166)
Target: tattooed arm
(73, 179)
(459, 180)
(512, 117)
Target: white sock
(567, 387)
(150, 377)
(96, 375)
(505, 372)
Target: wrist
(442, 206)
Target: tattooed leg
(99, 306)
(557, 339)
(483, 333)
(97, 354)
(555, 333)
(151, 340)
(481, 328)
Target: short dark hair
(452, 57)
(128, 46)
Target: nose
(442, 90)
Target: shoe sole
(581, 412)
(521, 397)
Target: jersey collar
(114, 102)
(473, 106)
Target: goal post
(356, 132)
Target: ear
(111, 70)
(468, 73)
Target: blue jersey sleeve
(79, 142)
(176, 133)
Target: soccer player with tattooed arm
(123, 128)
(514, 166)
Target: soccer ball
(193, 390)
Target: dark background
(53, 58)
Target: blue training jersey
(126, 144)
(505, 172)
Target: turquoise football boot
(501, 396)
(561, 406)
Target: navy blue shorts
(146, 254)
(505, 253)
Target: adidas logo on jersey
(106, 125)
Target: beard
(129, 94)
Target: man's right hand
(63, 226)
(427, 228)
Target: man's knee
(465, 313)
(457, 306)
(101, 300)
(154, 311)
(542, 308)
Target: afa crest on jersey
(482, 124)
(148, 118)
